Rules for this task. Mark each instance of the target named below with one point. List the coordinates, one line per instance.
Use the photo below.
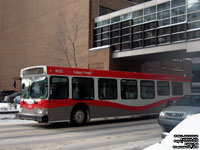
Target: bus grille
(174, 114)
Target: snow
(8, 108)
(8, 111)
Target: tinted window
(189, 100)
(107, 88)
(83, 88)
(163, 87)
(59, 88)
(147, 89)
(128, 89)
(177, 88)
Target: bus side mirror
(14, 84)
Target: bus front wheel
(79, 117)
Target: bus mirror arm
(14, 81)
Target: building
(29, 29)
(151, 37)
(156, 36)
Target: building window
(193, 7)
(178, 19)
(194, 16)
(137, 44)
(193, 35)
(147, 89)
(163, 6)
(164, 22)
(107, 89)
(178, 28)
(126, 23)
(178, 37)
(82, 88)
(115, 19)
(164, 39)
(126, 38)
(105, 29)
(164, 31)
(126, 46)
(59, 88)
(163, 88)
(115, 26)
(193, 25)
(149, 34)
(126, 31)
(129, 89)
(176, 3)
(115, 40)
(177, 88)
(150, 42)
(137, 36)
(178, 11)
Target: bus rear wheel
(79, 117)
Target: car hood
(184, 109)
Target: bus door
(58, 98)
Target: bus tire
(79, 117)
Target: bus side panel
(103, 112)
(59, 113)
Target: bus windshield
(34, 87)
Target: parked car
(10, 98)
(4, 93)
(181, 109)
(184, 136)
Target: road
(125, 134)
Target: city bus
(59, 94)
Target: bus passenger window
(163, 88)
(177, 88)
(107, 89)
(59, 88)
(82, 88)
(129, 89)
(147, 89)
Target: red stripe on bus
(64, 103)
(112, 74)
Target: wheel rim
(79, 117)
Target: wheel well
(81, 106)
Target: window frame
(50, 81)
(134, 85)
(178, 88)
(142, 97)
(92, 85)
(116, 90)
(168, 86)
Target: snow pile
(8, 108)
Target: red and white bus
(57, 94)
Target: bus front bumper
(42, 118)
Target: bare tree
(65, 37)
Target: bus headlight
(40, 111)
(162, 114)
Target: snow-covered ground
(8, 107)
(8, 111)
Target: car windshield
(34, 87)
(189, 100)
